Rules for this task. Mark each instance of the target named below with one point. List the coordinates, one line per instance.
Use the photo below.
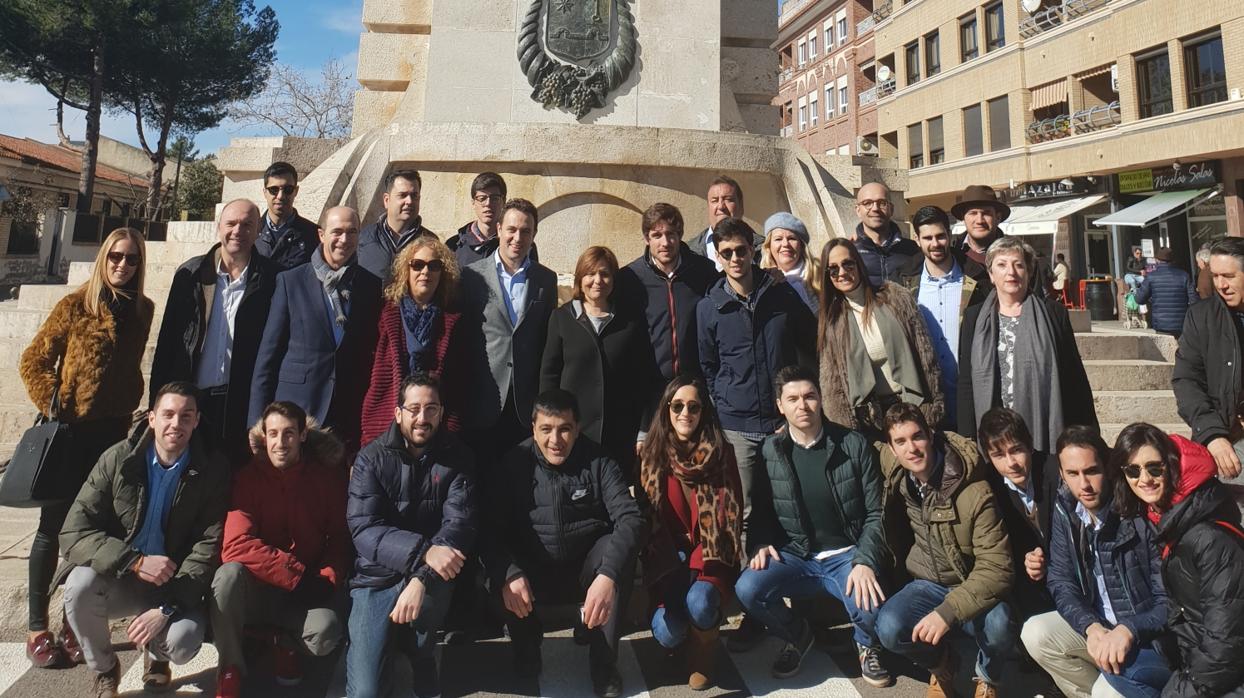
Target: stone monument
(592, 109)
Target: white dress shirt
(217, 353)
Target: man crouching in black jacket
(564, 529)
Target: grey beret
(788, 222)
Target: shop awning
(1043, 219)
(958, 228)
(1157, 206)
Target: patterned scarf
(336, 284)
(720, 511)
(420, 323)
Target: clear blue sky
(312, 32)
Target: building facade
(1108, 124)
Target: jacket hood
(1196, 466)
(722, 296)
(1211, 501)
(961, 464)
(322, 446)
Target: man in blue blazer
(507, 298)
(321, 333)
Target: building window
(995, 32)
(915, 146)
(829, 101)
(999, 123)
(62, 200)
(932, 54)
(937, 147)
(842, 95)
(803, 115)
(812, 46)
(1206, 71)
(968, 48)
(912, 53)
(1153, 82)
(829, 35)
(973, 135)
(803, 52)
(842, 26)
(813, 107)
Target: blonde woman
(90, 349)
(786, 249)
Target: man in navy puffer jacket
(1168, 291)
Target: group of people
(364, 435)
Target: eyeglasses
(430, 410)
(435, 266)
(286, 189)
(835, 270)
(728, 253)
(873, 203)
(1155, 469)
(487, 198)
(129, 258)
(693, 408)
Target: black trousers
(567, 583)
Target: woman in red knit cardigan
(418, 331)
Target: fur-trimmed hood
(322, 447)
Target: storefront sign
(1135, 180)
(1194, 175)
(1049, 190)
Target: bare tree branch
(296, 104)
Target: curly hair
(446, 290)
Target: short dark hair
(1003, 425)
(183, 388)
(555, 401)
(523, 206)
(1131, 439)
(280, 169)
(488, 180)
(419, 379)
(288, 410)
(732, 182)
(1080, 436)
(1060, 257)
(660, 212)
(728, 229)
(411, 175)
(1230, 247)
(930, 215)
(795, 374)
(902, 413)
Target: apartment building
(827, 85)
(1107, 124)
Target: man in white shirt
(725, 200)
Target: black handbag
(35, 476)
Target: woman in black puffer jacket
(1171, 480)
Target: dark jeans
(1144, 674)
(762, 592)
(90, 440)
(995, 630)
(567, 583)
(373, 635)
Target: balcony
(785, 75)
(880, 12)
(1083, 121)
(871, 95)
(866, 25)
(1052, 17)
(786, 131)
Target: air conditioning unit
(863, 146)
(1114, 78)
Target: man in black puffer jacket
(1168, 291)
(564, 529)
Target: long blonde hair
(446, 289)
(99, 282)
(812, 277)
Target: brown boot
(108, 684)
(984, 690)
(942, 677)
(701, 655)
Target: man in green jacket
(815, 527)
(143, 539)
(941, 519)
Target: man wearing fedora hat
(981, 211)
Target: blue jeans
(762, 591)
(698, 604)
(372, 634)
(994, 631)
(1133, 280)
(1144, 674)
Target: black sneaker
(871, 669)
(606, 681)
(426, 678)
(527, 661)
(791, 657)
(749, 634)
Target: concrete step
(159, 274)
(13, 390)
(1106, 346)
(19, 323)
(1127, 406)
(1128, 374)
(198, 232)
(1110, 430)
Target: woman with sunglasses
(1171, 480)
(97, 335)
(786, 249)
(602, 356)
(692, 497)
(875, 350)
(419, 331)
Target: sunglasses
(435, 266)
(693, 408)
(1155, 469)
(130, 259)
(834, 270)
(286, 189)
(728, 253)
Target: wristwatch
(169, 610)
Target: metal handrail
(875, 93)
(881, 11)
(1082, 121)
(1062, 13)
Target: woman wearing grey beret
(786, 249)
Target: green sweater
(816, 492)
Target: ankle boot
(701, 655)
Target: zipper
(669, 301)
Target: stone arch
(570, 223)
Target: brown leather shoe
(108, 684)
(942, 677)
(984, 690)
(701, 656)
(43, 652)
(157, 675)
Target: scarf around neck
(720, 511)
(336, 284)
(420, 324)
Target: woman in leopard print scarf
(693, 500)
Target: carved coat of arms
(575, 52)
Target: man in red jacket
(286, 548)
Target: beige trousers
(1063, 654)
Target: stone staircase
(1130, 373)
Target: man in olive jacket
(940, 518)
(143, 539)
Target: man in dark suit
(508, 298)
(321, 333)
(287, 238)
(725, 200)
(213, 321)
(401, 223)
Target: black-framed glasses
(728, 253)
(430, 410)
(1156, 470)
(693, 408)
(873, 203)
(286, 189)
(434, 266)
(130, 258)
(835, 270)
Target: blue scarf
(418, 323)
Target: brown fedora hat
(975, 195)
